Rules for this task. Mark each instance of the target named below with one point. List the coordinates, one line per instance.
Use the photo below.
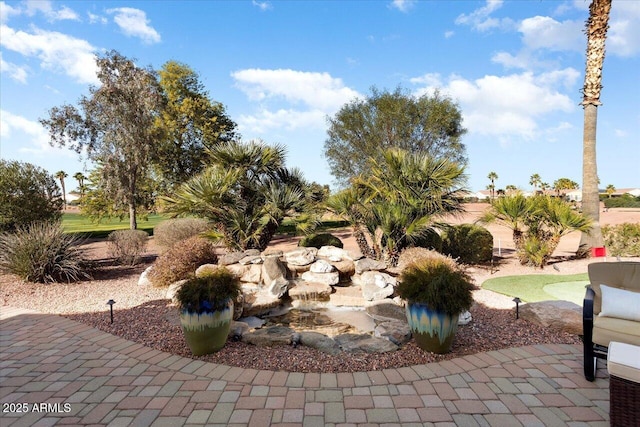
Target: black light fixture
(110, 304)
(517, 301)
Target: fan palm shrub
(246, 193)
(399, 201)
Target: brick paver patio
(63, 372)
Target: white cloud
(623, 37)
(481, 20)
(93, 19)
(56, 51)
(543, 32)
(46, 8)
(506, 106)
(36, 136)
(287, 119)
(134, 23)
(262, 5)
(307, 97)
(316, 90)
(6, 11)
(15, 72)
(402, 5)
(448, 34)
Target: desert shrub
(320, 240)
(469, 243)
(168, 233)
(430, 240)
(27, 194)
(182, 260)
(624, 201)
(622, 239)
(127, 246)
(42, 252)
(416, 254)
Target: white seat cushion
(623, 361)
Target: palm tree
(535, 180)
(511, 212)
(61, 175)
(246, 193)
(492, 187)
(610, 190)
(596, 28)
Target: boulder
(320, 342)
(253, 322)
(368, 264)
(376, 293)
(376, 278)
(259, 302)
(363, 343)
(310, 291)
(333, 253)
(251, 259)
(321, 266)
(267, 337)
(326, 278)
(301, 256)
(237, 269)
(230, 258)
(273, 270)
(297, 270)
(347, 296)
(278, 287)
(376, 285)
(253, 274)
(464, 318)
(386, 311)
(345, 268)
(144, 277)
(172, 290)
(562, 315)
(238, 329)
(396, 331)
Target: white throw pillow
(620, 303)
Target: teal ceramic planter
(433, 330)
(207, 332)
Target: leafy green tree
(61, 175)
(399, 200)
(246, 193)
(115, 126)
(596, 29)
(364, 128)
(191, 123)
(27, 194)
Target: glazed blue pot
(433, 330)
(207, 332)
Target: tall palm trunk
(596, 29)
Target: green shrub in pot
(206, 309)
(436, 290)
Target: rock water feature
(328, 298)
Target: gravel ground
(142, 314)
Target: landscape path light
(517, 301)
(110, 304)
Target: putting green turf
(540, 287)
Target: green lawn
(541, 287)
(78, 223)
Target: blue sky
(281, 67)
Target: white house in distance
(573, 195)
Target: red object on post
(598, 252)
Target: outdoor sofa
(613, 316)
